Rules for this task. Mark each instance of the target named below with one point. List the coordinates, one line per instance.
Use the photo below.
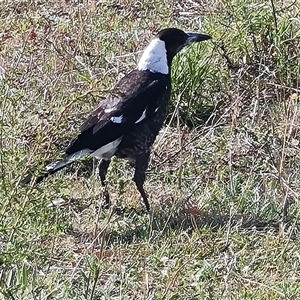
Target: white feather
(108, 150)
(69, 159)
(109, 110)
(117, 120)
(56, 165)
(154, 58)
(142, 117)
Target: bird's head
(159, 54)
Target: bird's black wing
(119, 113)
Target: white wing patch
(109, 110)
(154, 58)
(142, 117)
(117, 120)
(108, 150)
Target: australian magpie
(127, 122)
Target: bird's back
(139, 140)
(135, 93)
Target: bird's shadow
(160, 224)
(131, 224)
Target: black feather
(140, 91)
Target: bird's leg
(141, 165)
(103, 166)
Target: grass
(224, 174)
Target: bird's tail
(54, 167)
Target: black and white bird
(126, 123)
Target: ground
(224, 177)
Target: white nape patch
(108, 150)
(69, 159)
(117, 120)
(154, 58)
(109, 110)
(141, 118)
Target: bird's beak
(196, 37)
